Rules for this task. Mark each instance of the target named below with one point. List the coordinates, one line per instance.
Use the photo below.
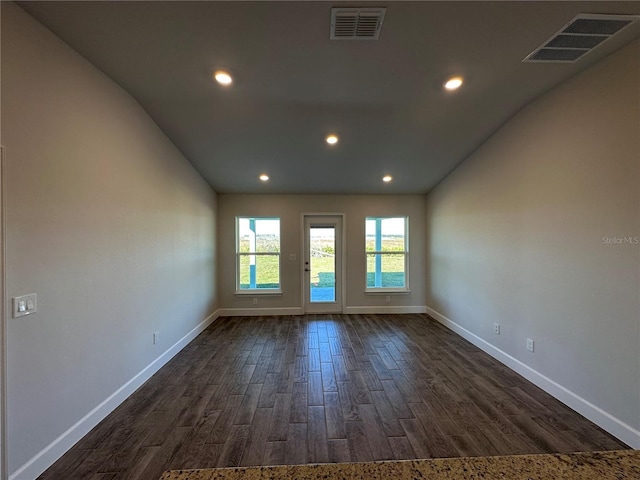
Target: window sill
(387, 291)
(257, 293)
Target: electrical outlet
(255, 301)
(496, 328)
(156, 337)
(388, 299)
(530, 344)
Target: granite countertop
(614, 465)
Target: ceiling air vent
(581, 35)
(356, 23)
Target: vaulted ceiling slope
(293, 85)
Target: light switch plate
(530, 344)
(24, 305)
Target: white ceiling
(292, 85)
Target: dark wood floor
(325, 388)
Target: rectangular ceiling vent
(356, 23)
(578, 37)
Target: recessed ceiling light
(453, 83)
(332, 139)
(387, 178)
(264, 177)
(222, 77)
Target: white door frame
(340, 220)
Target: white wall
(516, 237)
(3, 335)
(290, 209)
(107, 223)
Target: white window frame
(258, 291)
(405, 252)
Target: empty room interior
(256, 234)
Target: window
(258, 254)
(386, 246)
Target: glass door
(323, 264)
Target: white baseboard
(382, 309)
(252, 312)
(52, 452)
(259, 311)
(611, 424)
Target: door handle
(307, 270)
